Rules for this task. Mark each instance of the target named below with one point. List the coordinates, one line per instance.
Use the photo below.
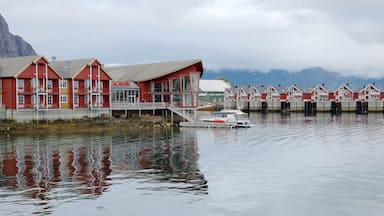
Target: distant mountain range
(12, 45)
(306, 78)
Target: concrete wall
(349, 106)
(323, 106)
(297, 106)
(274, 105)
(63, 114)
(255, 106)
(375, 106)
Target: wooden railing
(143, 105)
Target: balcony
(82, 91)
(96, 91)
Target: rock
(12, 45)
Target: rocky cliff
(12, 45)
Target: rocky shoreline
(84, 126)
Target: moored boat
(223, 118)
(207, 107)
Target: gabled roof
(12, 67)
(281, 89)
(213, 85)
(373, 86)
(246, 88)
(262, 89)
(232, 90)
(145, 72)
(326, 88)
(300, 89)
(70, 68)
(348, 87)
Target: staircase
(184, 113)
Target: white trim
(17, 95)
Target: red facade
(147, 93)
(36, 87)
(90, 87)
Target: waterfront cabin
(346, 93)
(212, 92)
(295, 97)
(322, 96)
(255, 98)
(86, 84)
(29, 83)
(242, 98)
(374, 95)
(173, 83)
(230, 95)
(347, 96)
(273, 98)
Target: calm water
(285, 165)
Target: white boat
(223, 118)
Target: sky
(344, 36)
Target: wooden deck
(186, 113)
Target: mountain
(12, 45)
(306, 78)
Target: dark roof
(145, 72)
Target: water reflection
(36, 170)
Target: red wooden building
(29, 83)
(175, 83)
(86, 84)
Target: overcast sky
(340, 35)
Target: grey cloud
(259, 34)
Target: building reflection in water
(68, 167)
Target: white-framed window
(76, 99)
(21, 99)
(86, 98)
(101, 84)
(33, 99)
(49, 84)
(63, 99)
(20, 84)
(33, 83)
(86, 84)
(63, 84)
(50, 99)
(75, 84)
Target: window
(33, 82)
(63, 99)
(21, 100)
(49, 84)
(20, 83)
(63, 84)
(76, 99)
(101, 84)
(76, 84)
(157, 87)
(86, 84)
(50, 99)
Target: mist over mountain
(306, 78)
(12, 45)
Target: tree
(224, 79)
